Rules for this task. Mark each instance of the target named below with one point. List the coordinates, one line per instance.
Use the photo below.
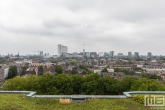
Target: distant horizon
(85, 51)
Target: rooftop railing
(32, 94)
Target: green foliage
(138, 59)
(64, 84)
(139, 98)
(2, 60)
(108, 85)
(145, 84)
(46, 84)
(59, 69)
(104, 70)
(154, 76)
(130, 62)
(23, 70)
(126, 83)
(143, 75)
(73, 62)
(40, 70)
(85, 68)
(91, 84)
(77, 83)
(124, 71)
(54, 61)
(162, 58)
(12, 72)
(117, 70)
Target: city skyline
(103, 26)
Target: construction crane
(37, 52)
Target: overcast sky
(102, 25)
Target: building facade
(62, 50)
(112, 54)
(130, 54)
(136, 54)
(149, 54)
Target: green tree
(117, 70)
(40, 70)
(23, 70)
(59, 69)
(154, 76)
(138, 59)
(77, 82)
(130, 62)
(104, 70)
(125, 71)
(90, 85)
(85, 68)
(12, 72)
(143, 75)
(145, 84)
(126, 84)
(64, 83)
(54, 61)
(107, 86)
(47, 84)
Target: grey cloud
(121, 25)
(58, 24)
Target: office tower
(112, 54)
(129, 54)
(41, 53)
(83, 50)
(62, 50)
(149, 54)
(136, 54)
(93, 54)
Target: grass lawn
(20, 102)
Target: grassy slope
(20, 102)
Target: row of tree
(12, 72)
(127, 72)
(91, 84)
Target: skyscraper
(41, 53)
(136, 54)
(112, 54)
(129, 54)
(149, 54)
(62, 50)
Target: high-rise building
(75, 54)
(149, 54)
(41, 53)
(136, 54)
(62, 50)
(93, 54)
(129, 54)
(112, 54)
(106, 54)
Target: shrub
(139, 98)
